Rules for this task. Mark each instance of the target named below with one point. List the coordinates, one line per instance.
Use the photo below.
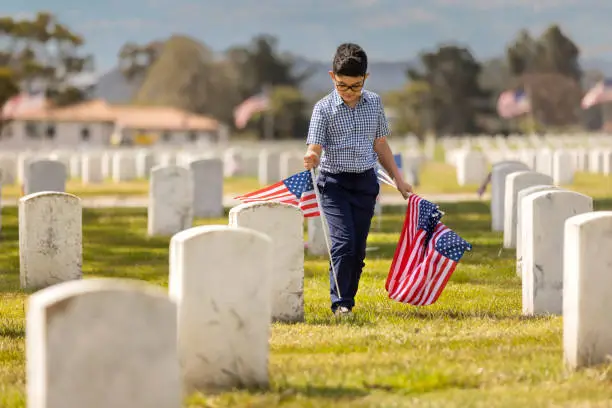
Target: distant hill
(385, 76)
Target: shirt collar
(338, 99)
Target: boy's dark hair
(350, 60)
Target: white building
(96, 123)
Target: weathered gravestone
(145, 161)
(498, 190)
(100, 343)
(221, 278)
(290, 164)
(587, 275)
(519, 220)
(45, 175)
(268, 167)
(170, 207)
(50, 239)
(316, 237)
(544, 215)
(563, 168)
(284, 224)
(471, 167)
(123, 167)
(516, 182)
(208, 187)
(91, 169)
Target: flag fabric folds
(249, 107)
(426, 255)
(296, 190)
(600, 93)
(513, 103)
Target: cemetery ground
(471, 348)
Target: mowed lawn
(471, 349)
(435, 178)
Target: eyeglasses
(354, 87)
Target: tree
(287, 107)
(135, 60)
(260, 66)
(455, 95)
(547, 68)
(411, 108)
(44, 54)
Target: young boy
(349, 126)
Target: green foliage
(455, 96)
(43, 51)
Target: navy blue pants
(348, 201)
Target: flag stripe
(426, 255)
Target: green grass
(471, 349)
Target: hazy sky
(387, 29)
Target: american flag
(600, 93)
(23, 102)
(252, 105)
(296, 190)
(426, 256)
(512, 103)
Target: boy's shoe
(343, 311)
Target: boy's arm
(317, 133)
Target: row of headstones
(175, 192)
(526, 141)
(561, 165)
(562, 258)
(92, 167)
(114, 342)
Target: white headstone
(519, 220)
(471, 167)
(587, 275)
(8, 166)
(498, 190)
(290, 163)
(316, 237)
(50, 239)
(269, 167)
(563, 168)
(123, 167)
(100, 343)
(516, 182)
(284, 224)
(91, 171)
(145, 161)
(220, 277)
(208, 187)
(544, 215)
(45, 175)
(170, 208)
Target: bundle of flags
(427, 252)
(425, 257)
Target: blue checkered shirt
(347, 134)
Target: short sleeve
(382, 129)
(317, 129)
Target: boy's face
(348, 87)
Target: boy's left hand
(404, 188)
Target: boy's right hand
(311, 160)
